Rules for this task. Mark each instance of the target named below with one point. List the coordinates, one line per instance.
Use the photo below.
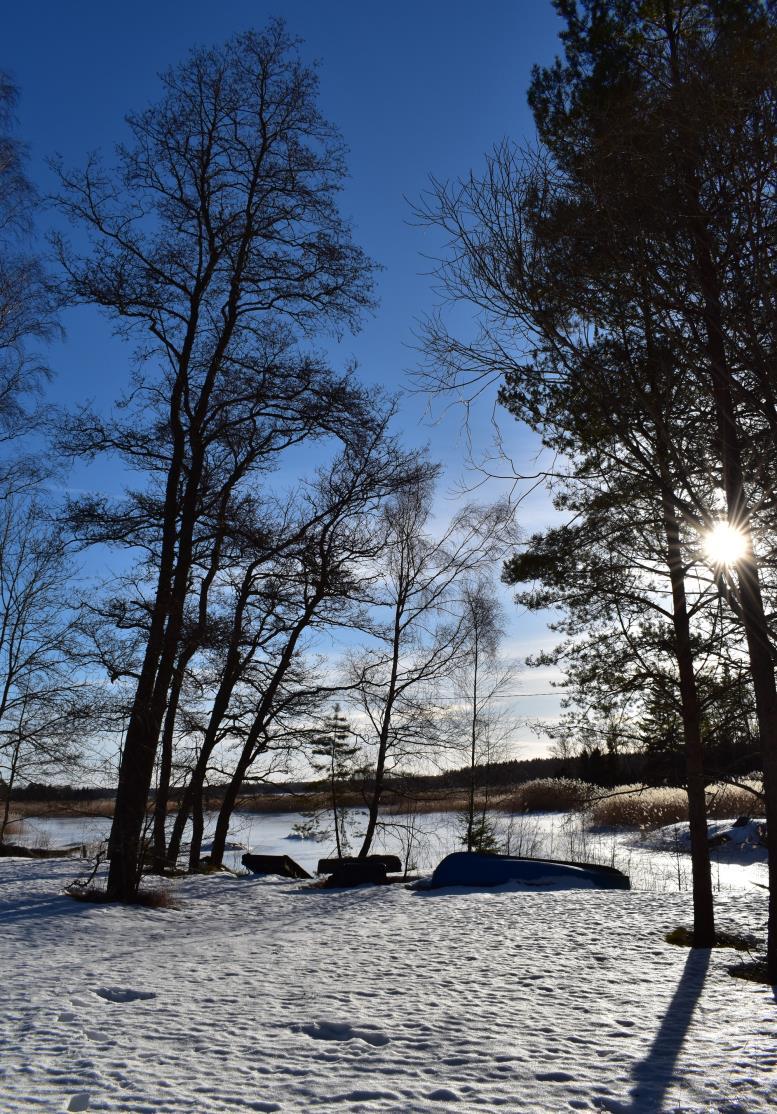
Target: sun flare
(725, 544)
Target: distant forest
(595, 767)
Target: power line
(503, 696)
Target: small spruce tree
(479, 833)
(334, 756)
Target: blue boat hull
(466, 868)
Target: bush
(147, 898)
(726, 802)
(633, 806)
(548, 794)
(683, 938)
(637, 807)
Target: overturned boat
(468, 868)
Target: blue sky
(416, 89)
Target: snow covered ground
(273, 995)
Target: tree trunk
(473, 750)
(180, 517)
(162, 856)
(385, 727)
(8, 792)
(198, 829)
(251, 747)
(228, 806)
(703, 903)
(161, 860)
(373, 808)
(179, 824)
(141, 741)
(125, 843)
(751, 600)
(142, 736)
(233, 667)
(335, 813)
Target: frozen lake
(425, 838)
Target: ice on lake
(424, 839)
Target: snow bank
(734, 840)
(271, 995)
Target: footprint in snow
(443, 1094)
(122, 994)
(342, 1031)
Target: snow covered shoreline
(270, 995)
(655, 860)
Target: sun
(725, 544)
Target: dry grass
(634, 806)
(104, 807)
(626, 805)
(392, 802)
(281, 802)
(683, 938)
(452, 800)
(548, 794)
(40, 810)
(157, 898)
(17, 850)
(725, 801)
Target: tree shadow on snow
(39, 895)
(654, 1075)
(40, 907)
(347, 897)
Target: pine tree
(334, 755)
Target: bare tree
(479, 727)
(217, 231)
(421, 631)
(45, 711)
(304, 565)
(329, 588)
(42, 706)
(26, 305)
